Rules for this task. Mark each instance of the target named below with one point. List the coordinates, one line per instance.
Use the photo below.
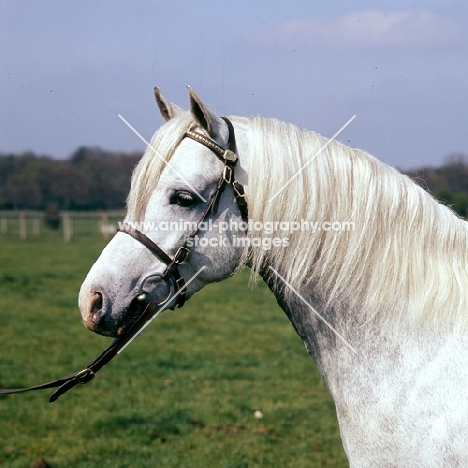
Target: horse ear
(168, 109)
(205, 117)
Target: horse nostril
(95, 312)
(95, 305)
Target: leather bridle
(171, 275)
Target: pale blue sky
(68, 68)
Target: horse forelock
(148, 171)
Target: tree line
(95, 179)
(91, 179)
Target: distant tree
(457, 201)
(107, 174)
(22, 192)
(448, 183)
(461, 204)
(68, 187)
(445, 195)
(455, 172)
(24, 180)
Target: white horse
(381, 308)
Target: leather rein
(177, 283)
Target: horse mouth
(131, 316)
(101, 322)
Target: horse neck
(314, 324)
(405, 265)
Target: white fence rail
(32, 224)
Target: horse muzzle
(103, 314)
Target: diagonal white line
(157, 154)
(314, 311)
(163, 307)
(312, 158)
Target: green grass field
(182, 395)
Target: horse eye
(182, 198)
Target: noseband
(176, 282)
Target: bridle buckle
(181, 286)
(227, 174)
(181, 255)
(238, 189)
(85, 376)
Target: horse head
(185, 193)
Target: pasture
(183, 394)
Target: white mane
(407, 255)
